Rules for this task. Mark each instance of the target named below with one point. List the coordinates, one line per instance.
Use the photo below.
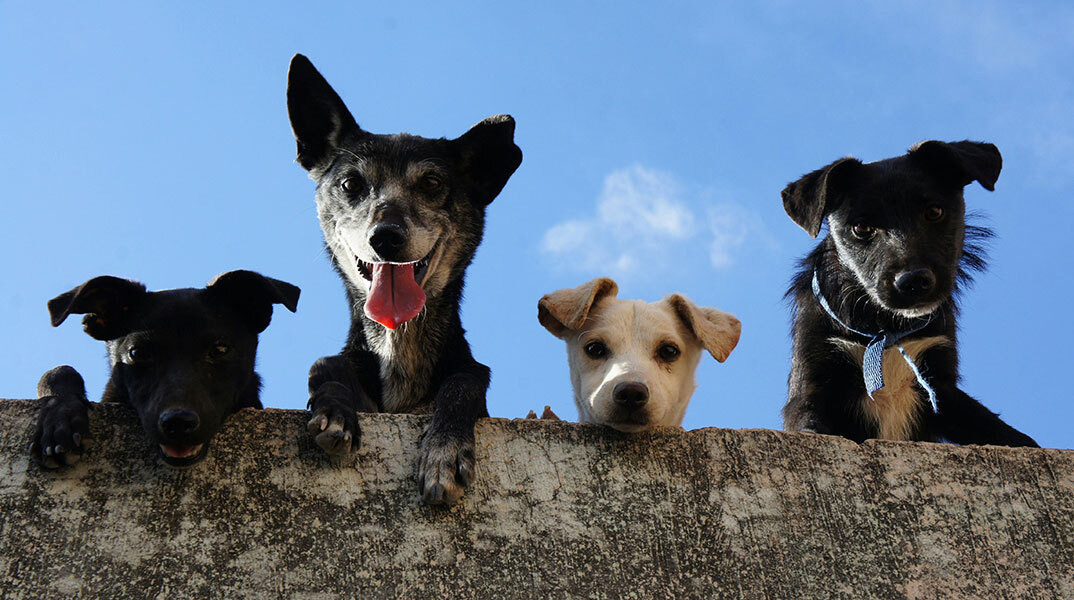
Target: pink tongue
(395, 297)
(179, 451)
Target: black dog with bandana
(875, 351)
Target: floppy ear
(490, 155)
(717, 330)
(252, 294)
(564, 311)
(109, 304)
(960, 162)
(808, 200)
(319, 119)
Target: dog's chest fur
(893, 409)
(405, 369)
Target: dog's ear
(490, 155)
(252, 294)
(319, 119)
(717, 330)
(960, 162)
(808, 200)
(563, 311)
(109, 303)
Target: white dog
(632, 362)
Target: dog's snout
(630, 394)
(915, 283)
(387, 239)
(178, 421)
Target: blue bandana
(873, 361)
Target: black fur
(432, 193)
(893, 202)
(182, 359)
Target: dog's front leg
(960, 417)
(964, 420)
(62, 431)
(447, 445)
(336, 396)
(825, 390)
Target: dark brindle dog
(402, 216)
(182, 359)
(874, 325)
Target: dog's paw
(334, 424)
(446, 468)
(62, 433)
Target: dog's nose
(388, 239)
(916, 283)
(630, 394)
(178, 421)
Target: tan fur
(717, 330)
(894, 407)
(564, 311)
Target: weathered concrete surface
(559, 510)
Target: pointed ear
(717, 330)
(109, 303)
(490, 155)
(564, 311)
(253, 295)
(808, 200)
(960, 162)
(319, 119)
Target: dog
(632, 363)
(402, 216)
(875, 303)
(182, 359)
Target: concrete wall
(559, 510)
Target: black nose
(916, 283)
(388, 239)
(630, 394)
(178, 421)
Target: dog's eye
(863, 231)
(138, 354)
(668, 353)
(596, 350)
(933, 213)
(430, 183)
(220, 349)
(351, 185)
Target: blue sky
(150, 140)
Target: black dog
(402, 217)
(183, 359)
(874, 325)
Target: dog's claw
(335, 442)
(332, 435)
(62, 428)
(434, 494)
(465, 474)
(317, 424)
(446, 468)
(334, 425)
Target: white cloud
(729, 225)
(646, 202)
(644, 223)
